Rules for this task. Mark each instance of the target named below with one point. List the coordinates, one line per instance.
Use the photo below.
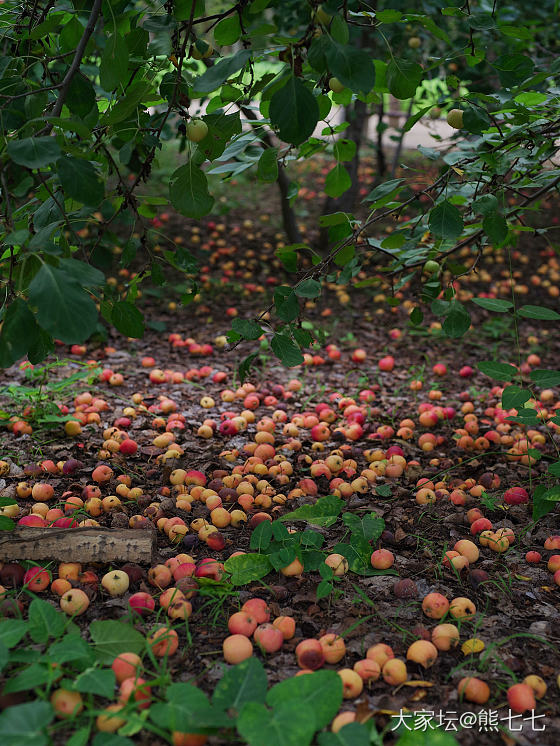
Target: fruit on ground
(521, 697)
(126, 666)
(422, 652)
(310, 654)
(352, 683)
(66, 703)
(333, 646)
(237, 648)
(474, 690)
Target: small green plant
(37, 402)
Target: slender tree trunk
(400, 142)
(381, 170)
(288, 214)
(358, 117)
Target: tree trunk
(358, 117)
(288, 215)
(381, 170)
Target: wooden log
(86, 544)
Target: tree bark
(87, 544)
(288, 215)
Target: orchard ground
(455, 436)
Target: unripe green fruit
(431, 267)
(335, 85)
(198, 55)
(321, 16)
(415, 42)
(455, 119)
(196, 130)
(435, 112)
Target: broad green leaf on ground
(246, 568)
(319, 693)
(111, 638)
(323, 513)
(246, 682)
(25, 725)
(287, 725)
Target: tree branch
(75, 64)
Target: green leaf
(418, 731)
(457, 322)
(246, 568)
(554, 469)
(128, 319)
(246, 328)
(262, 535)
(70, 648)
(445, 221)
(323, 513)
(63, 308)
(45, 621)
(514, 397)
(81, 96)
(188, 191)
(498, 371)
(352, 66)
(403, 78)
(337, 181)
(286, 725)
(513, 69)
(286, 350)
(82, 273)
(18, 330)
(493, 304)
(411, 121)
(384, 193)
(545, 500)
(344, 149)
(369, 528)
(80, 181)
(12, 631)
(99, 681)
(294, 111)
(286, 303)
(111, 638)
(496, 228)
(221, 71)
(34, 152)
(245, 365)
(545, 378)
(319, 693)
(113, 69)
(352, 734)
(538, 312)
(30, 677)
(476, 120)
(25, 725)
(309, 288)
(246, 682)
(267, 167)
(227, 31)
